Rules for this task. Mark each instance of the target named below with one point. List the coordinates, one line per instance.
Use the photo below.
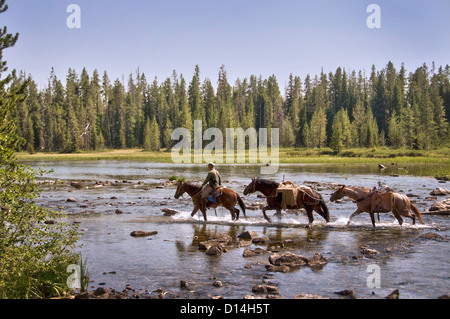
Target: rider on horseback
(212, 182)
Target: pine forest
(347, 108)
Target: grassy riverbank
(286, 155)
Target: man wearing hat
(212, 181)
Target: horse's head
(338, 194)
(180, 190)
(251, 188)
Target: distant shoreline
(287, 155)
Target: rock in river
(443, 205)
(265, 289)
(248, 235)
(142, 233)
(288, 259)
(439, 191)
(317, 261)
(215, 249)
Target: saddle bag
(287, 196)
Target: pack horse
(288, 196)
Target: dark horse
(228, 199)
(310, 200)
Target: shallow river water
(418, 267)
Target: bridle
(182, 191)
(253, 189)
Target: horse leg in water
(278, 213)
(236, 211)
(357, 212)
(194, 211)
(398, 214)
(309, 212)
(233, 213)
(203, 209)
(264, 213)
(372, 218)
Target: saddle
(216, 193)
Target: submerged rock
(184, 284)
(288, 259)
(309, 296)
(284, 262)
(317, 261)
(441, 205)
(347, 293)
(260, 240)
(431, 235)
(142, 233)
(222, 238)
(248, 235)
(281, 268)
(76, 184)
(265, 289)
(215, 245)
(215, 249)
(394, 295)
(439, 191)
(254, 252)
(170, 212)
(369, 251)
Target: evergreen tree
(167, 133)
(147, 144)
(88, 112)
(293, 99)
(274, 116)
(155, 143)
(209, 104)
(340, 131)
(32, 252)
(195, 98)
(317, 128)
(184, 119)
(117, 115)
(224, 101)
(370, 129)
(359, 116)
(395, 135)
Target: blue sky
(247, 36)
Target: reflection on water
(417, 267)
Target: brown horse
(227, 199)
(399, 204)
(310, 200)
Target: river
(418, 267)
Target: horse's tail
(325, 210)
(417, 213)
(241, 204)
